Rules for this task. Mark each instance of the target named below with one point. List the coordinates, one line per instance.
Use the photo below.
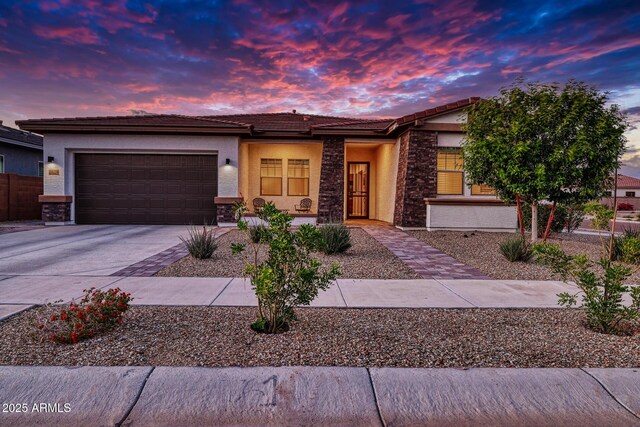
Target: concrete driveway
(85, 250)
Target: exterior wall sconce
(50, 159)
(227, 161)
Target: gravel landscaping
(220, 336)
(481, 250)
(366, 259)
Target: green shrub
(201, 243)
(631, 250)
(336, 238)
(544, 210)
(287, 276)
(258, 233)
(619, 243)
(574, 218)
(516, 249)
(601, 293)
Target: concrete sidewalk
(20, 292)
(171, 396)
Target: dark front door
(145, 188)
(358, 190)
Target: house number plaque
(54, 171)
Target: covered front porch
(290, 174)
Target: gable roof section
(18, 137)
(436, 111)
(625, 181)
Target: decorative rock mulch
(220, 336)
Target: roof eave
(70, 128)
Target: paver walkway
(425, 260)
(185, 396)
(150, 266)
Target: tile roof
(625, 181)
(294, 122)
(374, 124)
(140, 120)
(8, 133)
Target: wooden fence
(19, 197)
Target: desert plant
(336, 238)
(96, 312)
(516, 249)
(201, 243)
(287, 276)
(601, 293)
(258, 233)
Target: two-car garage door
(145, 188)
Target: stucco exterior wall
(63, 147)
(387, 173)
(472, 217)
(257, 151)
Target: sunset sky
(370, 59)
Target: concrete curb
(170, 396)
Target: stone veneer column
(224, 209)
(55, 208)
(331, 195)
(417, 177)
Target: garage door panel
(145, 188)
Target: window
(450, 174)
(298, 177)
(1, 164)
(482, 190)
(630, 194)
(40, 168)
(608, 194)
(271, 177)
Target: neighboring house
(20, 152)
(174, 169)
(628, 192)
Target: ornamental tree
(540, 142)
(281, 267)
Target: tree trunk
(534, 222)
(548, 229)
(520, 216)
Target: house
(20, 152)
(176, 169)
(628, 193)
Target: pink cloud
(69, 35)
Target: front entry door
(358, 190)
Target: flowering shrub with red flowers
(96, 312)
(625, 206)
